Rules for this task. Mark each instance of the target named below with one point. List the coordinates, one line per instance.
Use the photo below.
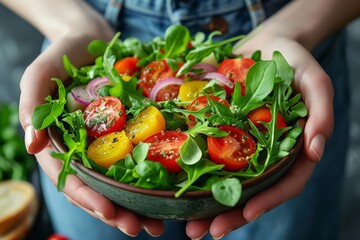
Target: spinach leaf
(177, 38)
(190, 153)
(227, 191)
(259, 84)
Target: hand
(35, 86)
(317, 93)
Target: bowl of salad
(175, 128)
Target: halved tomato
(234, 150)
(165, 149)
(263, 114)
(110, 148)
(201, 102)
(236, 70)
(191, 90)
(104, 115)
(153, 72)
(149, 122)
(127, 66)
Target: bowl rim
(58, 145)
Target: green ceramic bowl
(161, 204)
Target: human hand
(35, 86)
(317, 93)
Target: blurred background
(20, 44)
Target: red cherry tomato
(127, 66)
(57, 236)
(234, 150)
(236, 70)
(201, 102)
(263, 114)
(153, 72)
(165, 149)
(104, 115)
(167, 93)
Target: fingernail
(317, 146)
(121, 228)
(222, 235)
(148, 232)
(30, 136)
(202, 236)
(257, 216)
(99, 214)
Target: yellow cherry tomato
(149, 122)
(191, 90)
(108, 149)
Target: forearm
(55, 18)
(309, 21)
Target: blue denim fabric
(315, 213)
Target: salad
(178, 113)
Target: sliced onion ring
(160, 84)
(95, 85)
(221, 78)
(81, 95)
(206, 67)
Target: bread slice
(18, 207)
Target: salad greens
(15, 162)
(268, 83)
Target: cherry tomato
(149, 122)
(191, 90)
(104, 115)
(153, 72)
(201, 102)
(167, 93)
(57, 236)
(127, 66)
(234, 150)
(108, 149)
(165, 149)
(263, 114)
(236, 70)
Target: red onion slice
(206, 67)
(221, 78)
(160, 84)
(95, 85)
(81, 95)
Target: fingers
(153, 227)
(197, 229)
(79, 194)
(317, 92)
(288, 187)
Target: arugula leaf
(46, 114)
(197, 54)
(195, 171)
(203, 128)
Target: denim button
(218, 24)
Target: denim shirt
(146, 19)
